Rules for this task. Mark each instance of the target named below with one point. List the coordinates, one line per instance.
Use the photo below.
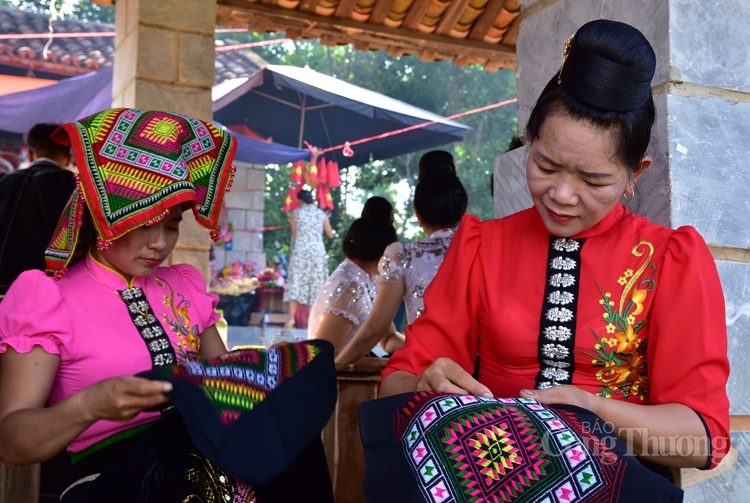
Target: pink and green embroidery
(188, 347)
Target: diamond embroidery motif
(495, 453)
(428, 417)
(494, 450)
(575, 456)
(566, 493)
(562, 279)
(439, 492)
(429, 471)
(586, 479)
(419, 453)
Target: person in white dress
(346, 299)
(308, 264)
(406, 270)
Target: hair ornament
(103, 244)
(566, 51)
(157, 219)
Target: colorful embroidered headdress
(133, 166)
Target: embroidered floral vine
(188, 346)
(622, 355)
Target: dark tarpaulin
(79, 97)
(273, 101)
(66, 101)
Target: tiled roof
(466, 31)
(68, 57)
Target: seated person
(407, 269)
(345, 301)
(111, 310)
(577, 300)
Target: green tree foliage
(439, 87)
(84, 10)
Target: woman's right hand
(447, 376)
(122, 398)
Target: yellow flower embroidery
(622, 358)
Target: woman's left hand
(564, 393)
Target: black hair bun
(305, 196)
(609, 65)
(378, 211)
(436, 164)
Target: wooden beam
(450, 16)
(361, 46)
(380, 11)
(465, 60)
(417, 10)
(483, 23)
(329, 40)
(427, 56)
(376, 35)
(394, 51)
(345, 8)
(294, 34)
(308, 5)
(512, 34)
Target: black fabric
(262, 442)
(157, 342)
(393, 472)
(163, 465)
(31, 202)
(592, 75)
(557, 326)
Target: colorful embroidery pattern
(622, 357)
(236, 382)
(471, 449)
(189, 345)
(134, 165)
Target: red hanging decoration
(322, 171)
(291, 202)
(334, 179)
(299, 172)
(312, 178)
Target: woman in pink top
(111, 311)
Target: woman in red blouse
(577, 300)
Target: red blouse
(627, 309)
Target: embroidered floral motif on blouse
(622, 357)
(189, 345)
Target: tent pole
(302, 121)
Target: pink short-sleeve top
(83, 320)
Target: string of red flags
(321, 175)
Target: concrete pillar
(164, 60)
(700, 146)
(244, 206)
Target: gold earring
(632, 195)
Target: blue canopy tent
(293, 105)
(79, 97)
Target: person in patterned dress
(109, 309)
(406, 270)
(346, 299)
(308, 264)
(577, 300)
